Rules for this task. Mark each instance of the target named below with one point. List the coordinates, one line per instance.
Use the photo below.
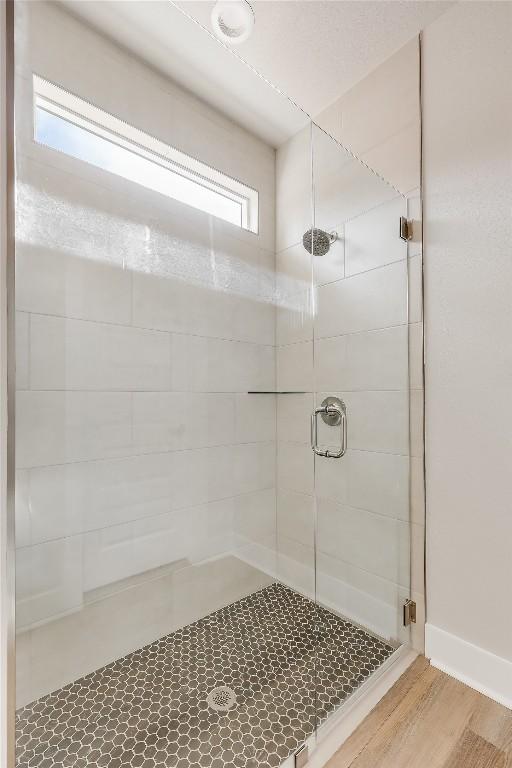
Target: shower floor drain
(221, 699)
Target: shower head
(317, 242)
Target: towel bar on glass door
(334, 413)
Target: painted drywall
(467, 140)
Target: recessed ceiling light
(232, 21)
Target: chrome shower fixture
(318, 242)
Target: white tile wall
(363, 361)
(293, 190)
(296, 516)
(75, 354)
(117, 552)
(22, 333)
(295, 467)
(366, 540)
(367, 301)
(200, 364)
(294, 321)
(379, 119)
(48, 580)
(332, 266)
(254, 518)
(371, 239)
(142, 325)
(379, 421)
(255, 418)
(293, 271)
(295, 367)
(59, 427)
(377, 482)
(344, 188)
(293, 417)
(54, 282)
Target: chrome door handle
(334, 413)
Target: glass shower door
(360, 421)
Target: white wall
(467, 128)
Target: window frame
(62, 104)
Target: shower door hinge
(409, 613)
(405, 229)
(302, 756)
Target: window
(71, 125)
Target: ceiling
(312, 50)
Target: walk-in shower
(212, 407)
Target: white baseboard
(481, 670)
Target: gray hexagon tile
(282, 662)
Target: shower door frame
(7, 390)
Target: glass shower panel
(361, 365)
(165, 592)
(193, 582)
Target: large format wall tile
(295, 467)
(363, 361)
(295, 367)
(371, 300)
(296, 516)
(255, 518)
(371, 240)
(22, 333)
(60, 427)
(177, 304)
(200, 364)
(166, 421)
(366, 540)
(293, 190)
(377, 421)
(293, 417)
(294, 319)
(255, 418)
(379, 118)
(377, 482)
(53, 282)
(73, 354)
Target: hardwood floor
(430, 720)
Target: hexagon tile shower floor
(289, 663)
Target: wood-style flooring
(430, 720)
